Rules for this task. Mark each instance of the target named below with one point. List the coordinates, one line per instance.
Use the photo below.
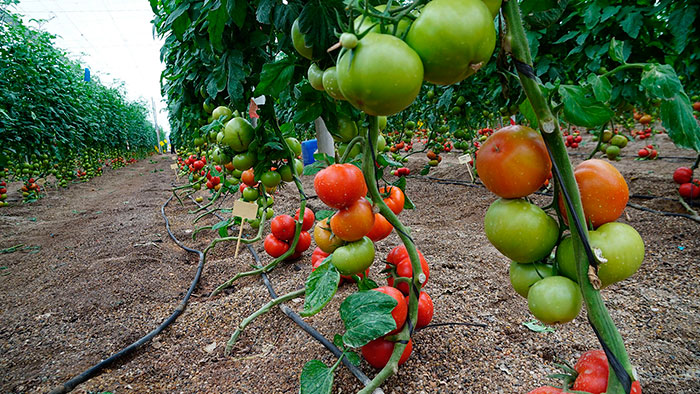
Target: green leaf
(367, 316)
(632, 23)
(445, 99)
(608, 12)
(591, 15)
(264, 11)
(217, 18)
(324, 213)
(223, 223)
(536, 326)
(680, 24)
(528, 6)
(617, 51)
(237, 10)
(407, 203)
(275, 77)
(602, 88)
(581, 110)
(316, 378)
(313, 168)
(566, 37)
(661, 81)
(529, 113)
(385, 161)
(366, 284)
(321, 286)
(681, 126)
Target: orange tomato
(396, 198)
(354, 222)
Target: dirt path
(93, 287)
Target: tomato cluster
(283, 228)
(648, 152)
(514, 163)
(3, 194)
(573, 138)
(689, 188)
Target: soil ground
(98, 271)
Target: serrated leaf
(445, 99)
(223, 223)
(237, 11)
(608, 12)
(661, 81)
(566, 37)
(264, 10)
(313, 168)
(602, 88)
(275, 77)
(591, 15)
(316, 378)
(632, 23)
(366, 284)
(367, 316)
(616, 51)
(681, 126)
(581, 110)
(680, 24)
(321, 286)
(217, 18)
(388, 161)
(537, 326)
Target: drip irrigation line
(97, 368)
(301, 323)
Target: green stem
(368, 168)
(351, 144)
(266, 308)
(624, 67)
(600, 142)
(597, 312)
(207, 205)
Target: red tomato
(603, 189)
(381, 228)
(592, 377)
(275, 247)
(248, 178)
(689, 190)
(378, 352)
(309, 218)
(425, 310)
(283, 227)
(682, 175)
(198, 165)
(354, 222)
(395, 200)
(340, 185)
(513, 162)
(317, 257)
(304, 242)
(400, 311)
(242, 187)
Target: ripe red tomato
(340, 185)
(304, 242)
(513, 162)
(283, 227)
(689, 190)
(309, 218)
(381, 228)
(404, 267)
(603, 189)
(378, 352)
(400, 311)
(592, 377)
(395, 200)
(248, 177)
(682, 175)
(275, 247)
(425, 310)
(354, 222)
(318, 256)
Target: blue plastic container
(308, 148)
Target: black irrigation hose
(97, 368)
(301, 323)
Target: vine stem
(597, 312)
(265, 308)
(369, 168)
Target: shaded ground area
(100, 271)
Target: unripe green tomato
(555, 299)
(244, 161)
(619, 140)
(381, 143)
(381, 122)
(236, 174)
(348, 40)
(250, 194)
(286, 173)
(355, 257)
(299, 41)
(523, 276)
(315, 76)
(271, 178)
(330, 83)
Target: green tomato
(493, 6)
(244, 161)
(381, 143)
(315, 75)
(299, 41)
(237, 174)
(382, 76)
(354, 257)
(286, 173)
(222, 111)
(410, 125)
(347, 129)
(348, 40)
(522, 276)
(612, 152)
(208, 106)
(220, 136)
(238, 134)
(294, 144)
(620, 244)
(356, 150)
(271, 178)
(523, 232)
(460, 101)
(555, 299)
(453, 38)
(330, 83)
(250, 194)
(381, 122)
(619, 141)
(298, 166)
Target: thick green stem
(266, 308)
(597, 312)
(351, 144)
(369, 168)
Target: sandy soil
(98, 271)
